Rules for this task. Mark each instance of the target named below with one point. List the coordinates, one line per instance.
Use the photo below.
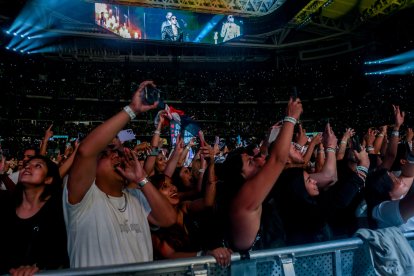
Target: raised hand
(329, 138)
(207, 152)
(317, 139)
(294, 108)
(179, 146)
(49, 133)
(398, 115)
(301, 137)
(383, 130)
(133, 170)
(349, 132)
(370, 136)
(362, 158)
(137, 103)
(144, 146)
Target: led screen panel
(168, 25)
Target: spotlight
(14, 33)
(22, 36)
(21, 51)
(29, 37)
(7, 32)
(28, 53)
(14, 49)
(7, 47)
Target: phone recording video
(152, 95)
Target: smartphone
(355, 143)
(81, 136)
(152, 95)
(217, 140)
(294, 93)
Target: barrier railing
(336, 258)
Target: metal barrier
(340, 257)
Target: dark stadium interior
(238, 85)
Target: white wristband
(130, 112)
(143, 182)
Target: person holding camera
(107, 223)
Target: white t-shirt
(105, 230)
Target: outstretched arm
(150, 160)
(328, 175)
(391, 151)
(246, 207)
(84, 167)
(45, 141)
(207, 153)
(316, 140)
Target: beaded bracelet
(290, 120)
(380, 135)
(157, 132)
(344, 142)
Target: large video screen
(169, 25)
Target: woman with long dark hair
(34, 235)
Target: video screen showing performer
(118, 19)
(167, 25)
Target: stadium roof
(314, 29)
